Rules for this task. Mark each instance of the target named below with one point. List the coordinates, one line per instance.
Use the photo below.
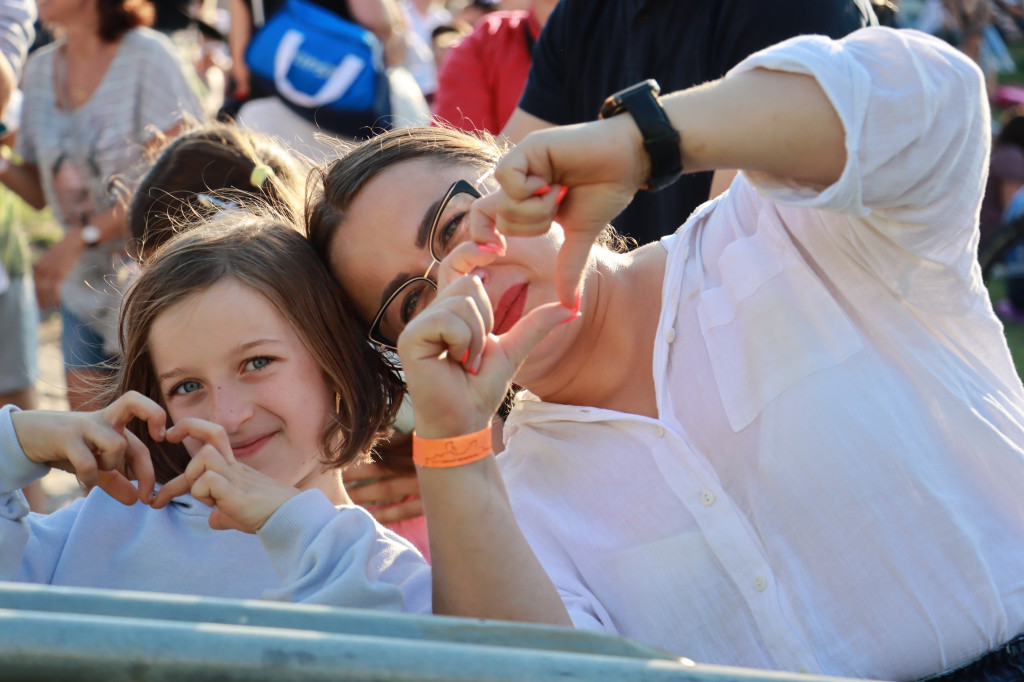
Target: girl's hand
(456, 370)
(95, 445)
(244, 498)
(598, 166)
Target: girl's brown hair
(117, 17)
(214, 161)
(272, 258)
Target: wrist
(90, 235)
(451, 452)
(660, 140)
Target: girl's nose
(230, 407)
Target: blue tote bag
(328, 69)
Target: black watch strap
(661, 140)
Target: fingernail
(492, 248)
(541, 191)
(574, 316)
(465, 356)
(561, 194)
(476, 365)
(579, 301)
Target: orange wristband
(451, 452)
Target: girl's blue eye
(186, 387)
(257, 363)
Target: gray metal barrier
(62, 633)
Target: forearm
(766, 121)
(111, 223)
(482, 564)
(23, 180)
(240, 31)
(379, 16)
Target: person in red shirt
(481, 80)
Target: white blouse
(835, 482)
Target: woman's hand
(457, 371)
(244, 498)
(599, 166)
(389, 495)
(53, 267)
(95, 445)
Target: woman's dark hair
(272, 258)
(117, 17)
(209, 167)
(332, 189)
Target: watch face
(91, 235)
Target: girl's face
(383, 243)
(227, 356)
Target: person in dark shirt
(590, 49)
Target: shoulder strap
(259, 16)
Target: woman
(94, 100)
(786, 437)
(242, 396)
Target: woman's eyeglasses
(449, 228)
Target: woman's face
(382, 244)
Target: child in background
(270, 390)
(218, 167)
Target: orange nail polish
(561, 194)
(465, 356)
(541, 191)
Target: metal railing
(62, 633)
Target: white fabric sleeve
(917, 129)
(17, 31)
(343, 557)
(17, 471)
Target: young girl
(208, 169)
(215, 168)
(245, 388)
(789, 436)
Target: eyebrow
(242, 347)
(422, 232)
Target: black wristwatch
(661, 140)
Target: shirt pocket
(770, 323)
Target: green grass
(1014, 332)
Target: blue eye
(186, 387)
(256, 363)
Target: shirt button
(686, 252)
(707, 498)
(760, 584)
(670, 335)
(659, 432)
